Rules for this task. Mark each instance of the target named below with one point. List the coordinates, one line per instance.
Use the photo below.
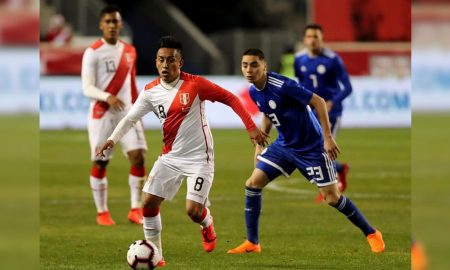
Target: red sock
(150, 212)
(137, 171)
(98, 172)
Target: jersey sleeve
(140, 108)
(88, 75)
(212, 92)
(344, 80)
(297, 92)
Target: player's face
(254, 69)
(313, 40)
(111, 24)
(168, 63)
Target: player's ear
(181, 62)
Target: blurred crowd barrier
(375, 102)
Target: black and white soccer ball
(143, 255)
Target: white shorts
(100, 129)
(167, 176)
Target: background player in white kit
(178, 100)
(109, 79)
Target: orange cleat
(162, 263)
(319, 198)
(342, 177)
(376, 241)
(135, 216)
(418, 257)
(104, 219)
(246, 247)
(209, 238)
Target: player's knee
(150, 201)
(331, 198)
(194, 212)
(136, 158)
(253, 183)
(101, 164)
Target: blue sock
(346, 207)
(252, 211)
(338, 166)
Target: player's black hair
(255, 52)
(314, 26)
(110, 9)
(170, 42)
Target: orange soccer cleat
(135, 216)
(246, 247)
(418, 257)
(342, 177)
(376, 241)
(319, 198)
(162, 263)
(209, 238)
(104, 219)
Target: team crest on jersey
(272, 104)
(129, 57)
(321, 69)
(303, 68)
(184, 98)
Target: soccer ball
(143, 255)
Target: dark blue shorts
(316, 166)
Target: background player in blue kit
(322, 71)
(302, 144)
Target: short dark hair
(255, 52)
(170, 42)
(110, 9)
(314, 26)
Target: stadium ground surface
(296, 233)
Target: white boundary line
(277, 185)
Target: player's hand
(106, 146)
(329, 105)
(115, 103)
(258, 137)
(331, 147)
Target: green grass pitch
(295, 232)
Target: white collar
(171, 85)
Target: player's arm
(330, 145)
(213, 92)
(344, 79)
(140, 108)
(88, 74)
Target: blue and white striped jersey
(285, 102)
(325, 75)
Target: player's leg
(272, 163)
(152, 221)
(135, 146)
(325, 178)
(136, 181)
(163, 183)
(199, 181)
(97, 130)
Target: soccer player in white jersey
(109, 80)
(178, 100)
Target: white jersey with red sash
(113, 68)
(181, 111)
(110, 70)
